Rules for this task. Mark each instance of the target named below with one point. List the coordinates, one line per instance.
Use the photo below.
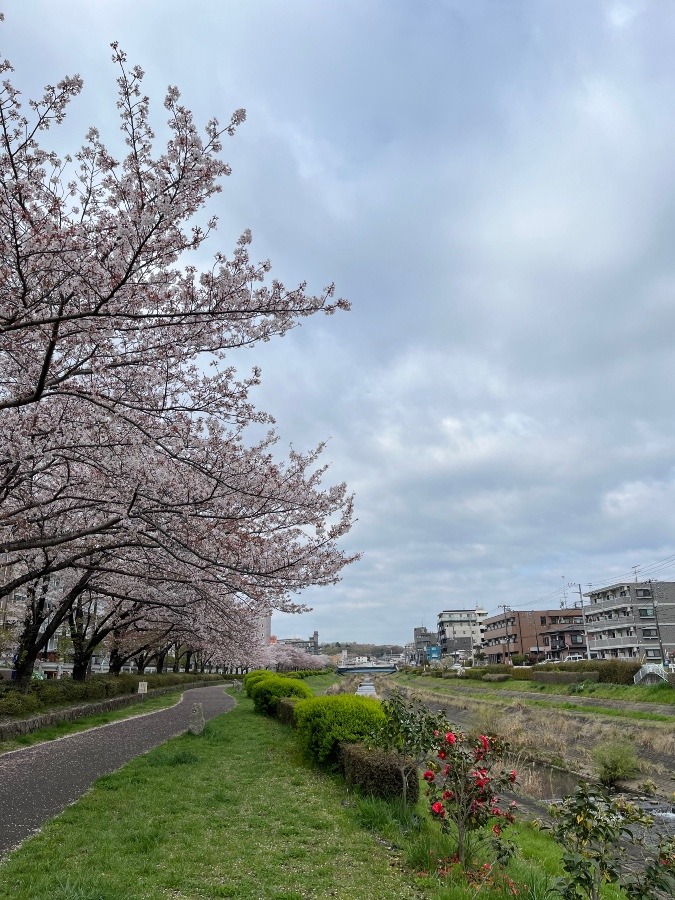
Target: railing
(605, 643)
(650, 669)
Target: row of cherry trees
(133, 508)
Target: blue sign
(433, 653)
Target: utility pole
(506, 630)
(656, 622)
(583, 617)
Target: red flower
(448, 795)
(484, 741)
(496, 830)
(428, 775)
(437, 808)
(512, 776)
(441, 754)
(450, 738)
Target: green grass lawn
(233, 813)
(237, 813)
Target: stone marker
(196, 725)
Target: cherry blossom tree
(126, 480)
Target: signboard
(433, 653)
(142, 687)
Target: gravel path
(39, 782)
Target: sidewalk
(39, 782)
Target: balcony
(621, 603)
(630, 641)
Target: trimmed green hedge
(323, 722)
(379, 774)
(43, 695)
(286, 710)
(267, 691)
(252, 678)
(564, 677)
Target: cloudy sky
(492, 184)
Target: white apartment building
(460, 632)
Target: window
(646, 612)
(542, 620)
(649, 632)
(577, 638)
(643, 593)
(546, 642)
(652, 653)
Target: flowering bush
(463, 786)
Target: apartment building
(632, 621)
(539, 635)
(460, 633)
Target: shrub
(252, 678)
(378, 773)
(13, 703)
(322, 722)
(490, 677)
(267, 691)
(408, 732)
(464, 782)
(614, 762)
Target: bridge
(366, 670)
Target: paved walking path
(39, 782)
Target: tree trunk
(23, 668)
(188, 660)
(176, 659)
(116, 661)
(81, 665)
(161, 656)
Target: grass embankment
(652, 693)
(453, 688)
(233, 813)
(61, 729)
(236, 813)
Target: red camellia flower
(428, 776)
(437, 808)
(512, 776)
(450, 738)
(441, 754)
(484, 741)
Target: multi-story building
(632, 621)
(546, 634)
(460, 633)
(425, 645)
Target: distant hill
(374, 651)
